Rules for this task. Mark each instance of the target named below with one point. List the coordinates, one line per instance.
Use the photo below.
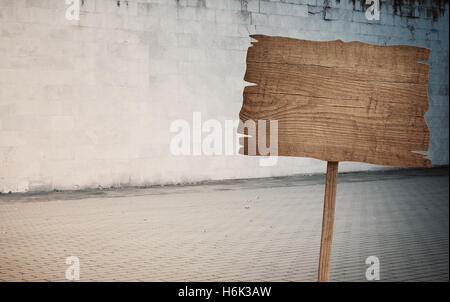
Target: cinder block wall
(89, 103)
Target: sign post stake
(327, 221)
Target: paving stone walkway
(246, 230)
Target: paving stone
(206, 233)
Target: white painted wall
(89, 103)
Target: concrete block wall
(89, 102)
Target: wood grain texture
(328, 221)
(338, 101)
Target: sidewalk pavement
(242, 230)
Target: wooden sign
(338, 101)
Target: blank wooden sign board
(339, 101)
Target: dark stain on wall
(407, 8)
(244, 4)
(432, 8)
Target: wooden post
(327, 221)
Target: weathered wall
(89, 103)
